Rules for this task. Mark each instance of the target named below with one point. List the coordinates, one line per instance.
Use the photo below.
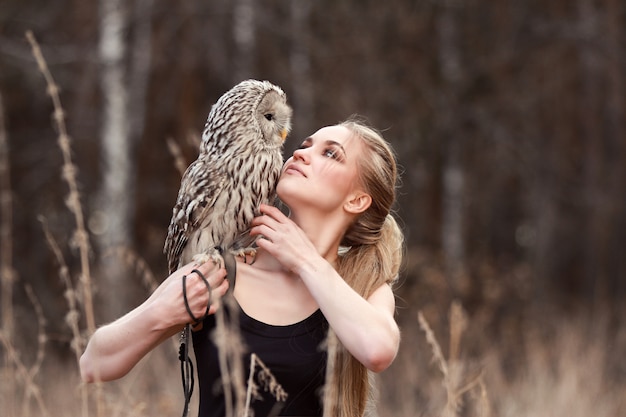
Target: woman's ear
(358, 203)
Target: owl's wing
(199, 188)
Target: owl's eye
(269, 116)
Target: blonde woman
(316, 306)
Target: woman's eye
(330, 153)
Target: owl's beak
(283, 134)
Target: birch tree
(616, 134)
(7, 273)
(116, 195)
(453, 176)
(592, 136)
(124, 83)
(601, 118)
(141, 56)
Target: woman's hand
(171, 300)
(282, 238)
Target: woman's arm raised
(366, 327)
(114, 349)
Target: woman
(330, 264)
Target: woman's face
(323, 171)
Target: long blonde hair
(372, 257)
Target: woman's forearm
(365, 327)
(114, 349)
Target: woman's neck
(263, 260)
(325, 232)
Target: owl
(238, 165)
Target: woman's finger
(261, 230)
(266, 220)
(273, 212)
(196, 292)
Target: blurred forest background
(508, 118)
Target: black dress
(292, 353)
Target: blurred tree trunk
(244, 34)
(116, 195)
(593, 138)
(544, 214)
(449, 56)
(141, 59)
(617, 148)
(300, 63)
(7, 273)
(124, 82)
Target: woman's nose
(300, 155)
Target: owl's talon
(247, 254)
(201, 258)
(216, 258)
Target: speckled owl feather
(237, 168)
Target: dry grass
(546, 365)
(7, 273)
(80, 238)
(569, 373)
(27, 374)
(453, 369)
(179, 160)
(261, 379)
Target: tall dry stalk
(80, 239)
(484, 408)
(331, 393)
(73, 315)
(26, 375)
(434, 345)
(267, 381)
(133, 260)
(455, 382)
(31, 388)
(177, 154)
(228, 340)
(7, 273)
(458, 325)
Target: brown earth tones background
(508, 119)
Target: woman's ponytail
(370, 257)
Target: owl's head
(272, 114)
(253, 115)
